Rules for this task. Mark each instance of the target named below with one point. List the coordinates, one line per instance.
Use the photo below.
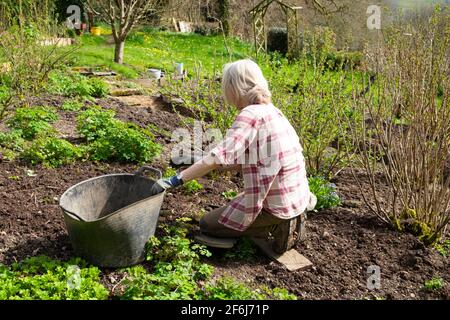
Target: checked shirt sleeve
(238, 139)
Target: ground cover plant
(373, 125)
(177, 272)
(41, 278)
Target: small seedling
(443, 248)
(170, 172)
(231, 194)
(192, 187)
(434, 284)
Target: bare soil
(342, 243)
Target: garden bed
(341, 243)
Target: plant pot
(96, 31)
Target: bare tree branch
(327, 7)
(124, 15)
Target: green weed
(52, 152)
(113, 140)
(192, 187)
(41, 278)
(179, 273)
(75, 85)
(33, 122)
(73, 105)
(245, 250)
(443, 248)
(325, 193)
(230, 194)
(434, 284)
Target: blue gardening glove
(163, 184)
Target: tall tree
(123, 16)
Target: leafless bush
(406, 131)
(27, 59)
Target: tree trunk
(118, 54)
(224, 15)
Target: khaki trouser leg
(261, 227)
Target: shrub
(343, 60)
(76, 85)
(12, 140)
(52, 152)
(316, 102)
(29, 62)
(317, 43)
(95, 122)
(33, 122)
(202, 99)
(41, 278)
(404, 139)
(111, 139)
(325, 193)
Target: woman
(263, 144)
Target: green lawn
(156, 49)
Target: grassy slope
(154, 49)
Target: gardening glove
(163, 184)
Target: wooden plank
(291, 259)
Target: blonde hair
(243, 84)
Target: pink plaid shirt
(266, 145)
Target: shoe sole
(221, 243)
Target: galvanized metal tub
(110, 218)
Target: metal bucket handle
(75, 215)
(144, 169)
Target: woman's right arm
(225, 168)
